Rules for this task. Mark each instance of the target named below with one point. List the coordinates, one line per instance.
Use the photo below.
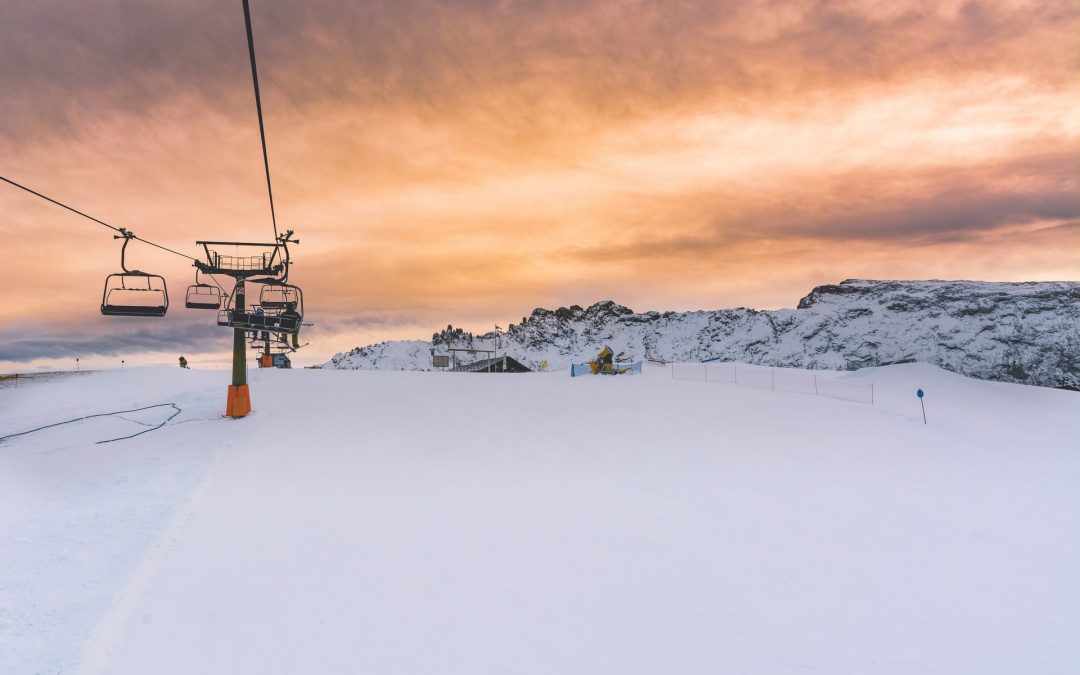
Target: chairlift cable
(163, 248)
(121, 230)
(258, 109)
(216, 282)
(50, 199)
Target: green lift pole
(239, 358)
(239, 402)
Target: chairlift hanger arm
(126, 236)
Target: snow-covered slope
(1015, 332)
(388, 355)
(403, 522)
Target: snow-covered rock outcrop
(389, 355)
(1016, 332)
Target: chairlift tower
(279, 309)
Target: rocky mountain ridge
(1026, 332)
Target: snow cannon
(605, 364)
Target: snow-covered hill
(403, 522)
(1014, 332)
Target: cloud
(472, 159)
(526, 72)
(118, 337)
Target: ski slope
(404, 522)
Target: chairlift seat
(203, 296)
(134, 310)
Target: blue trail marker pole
(920, 393)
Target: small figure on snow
(183, 361)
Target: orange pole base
(239, 403)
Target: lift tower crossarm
(237, 243)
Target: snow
(390, 355)
(404, 522)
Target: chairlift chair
(202, 296)
(133, 292)
(280, 296)
(284, 314)
(284, 322)
(274, 321)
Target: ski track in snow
(92, 510)
(111, 631)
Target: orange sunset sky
(466, 162)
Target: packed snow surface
(404, 522)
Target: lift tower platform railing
(266, 264)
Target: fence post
(772, 380)
(735, 374)
(706, 366)
(871, 393)
(815, 384)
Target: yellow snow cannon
(605, 363)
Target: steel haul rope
(258, 109)
(121, 230)
(96, 220)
